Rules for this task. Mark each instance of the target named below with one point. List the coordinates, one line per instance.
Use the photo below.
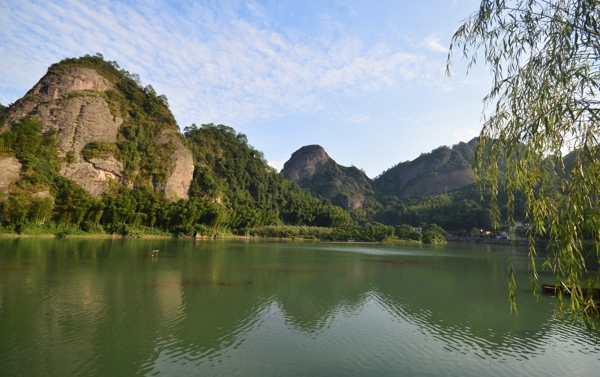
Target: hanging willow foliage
(543, 104)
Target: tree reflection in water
(100, 307)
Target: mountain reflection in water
(99, 307)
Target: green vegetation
(335, 182)
(431, 169)
(433, 233)
(97, 149)
(457, 210)
(293, 232)
(2, 115)
(233, 189)
(407, 232)
(376, 232)
(38, 154)
(545, 60)
(230, 171)
(371, 233)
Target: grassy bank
(51, 229)
(375, 233)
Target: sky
(364, 79)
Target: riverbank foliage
(430, 233)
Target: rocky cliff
(10, 169)
(441, 170)
(431, 173)
(181, 166)
(312, 168)
(89, 102)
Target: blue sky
(364, 79)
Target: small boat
(548, 288)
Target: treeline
(461, 209)
(231, 172)
(427, 233)
(2, 115)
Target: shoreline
(99, 236)
(496, 241)
(465, 240)
(205, 238)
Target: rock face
(431, 173)
(10, 169)
(305, 163)
(74, 103)
(182, 167)
(40, 100)
(312, 168)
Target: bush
(407, 232)
(283, 231)
(433, 233)
(118, 228)
(90, 227)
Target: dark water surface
(107, 307)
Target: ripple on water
(313, 318)
(180, 355)
(499, 348)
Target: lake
(99, 307)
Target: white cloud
(214, 65)
(277, 165)
(432, 43)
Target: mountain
(90, 149)
(431, 173)
(106, 127)
(311, 168)
(230, 171)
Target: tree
(544, 56)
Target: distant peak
(313, 148)
(305, 163)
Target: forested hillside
(232, 187)
(230, 171)
(312, 169)
(437, 187)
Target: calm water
(106, 307)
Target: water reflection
(104, 307)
